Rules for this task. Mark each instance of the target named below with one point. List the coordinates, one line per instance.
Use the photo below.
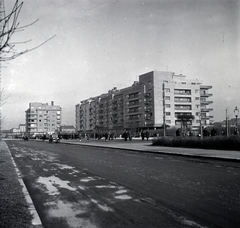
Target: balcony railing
(205, 94)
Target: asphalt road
(79, 186)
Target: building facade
(42, 118)
(150, 103)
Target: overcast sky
(101, 44)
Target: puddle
(103, 207)
(18, 156)
(82, 187)
(123, 197)
(64, 166)
(73, 213)
(52, 182)
(87, 179)
(105, 186)
(35, 159)
(121, 191)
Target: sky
(101, 44)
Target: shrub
(216, 142)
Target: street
(80, 186)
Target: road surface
(79, 186)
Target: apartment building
(156, 99)
(43, 118)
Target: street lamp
(236, 112)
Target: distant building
(43, 118)
(22, 128)
(153, 101)
(67, 129)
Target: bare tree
(10, 25)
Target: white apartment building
(157, 98)
(42, 118)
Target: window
(167, 98)
(196, 90)
(183, 107)
(168, 113)
(167, 90)
(133, 110)
(168, 121)
(182, 113)
(182, 91)
(168, 105)
(182, 99)
(133, 95)
(197, 98)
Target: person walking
(147, 135)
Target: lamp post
(236, 112)
(200, 120)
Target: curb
(159, 152)
(36, 221)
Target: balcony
(133, 96)
(206, 102)
(183, 101)
(205, 94)
(147, 95)
(133, 104)
(206, 109)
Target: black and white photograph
(119, 113)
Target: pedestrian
(125, 135)
(106, 136)
(147, 135)
(142, 135)
(213, 132)
(130, 135)
(178, 132)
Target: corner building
(157, 98)
(42, 118)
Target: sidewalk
(146, 146)
(16, 206)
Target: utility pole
(164, 113)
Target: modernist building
(42, 118)
(150, 103)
